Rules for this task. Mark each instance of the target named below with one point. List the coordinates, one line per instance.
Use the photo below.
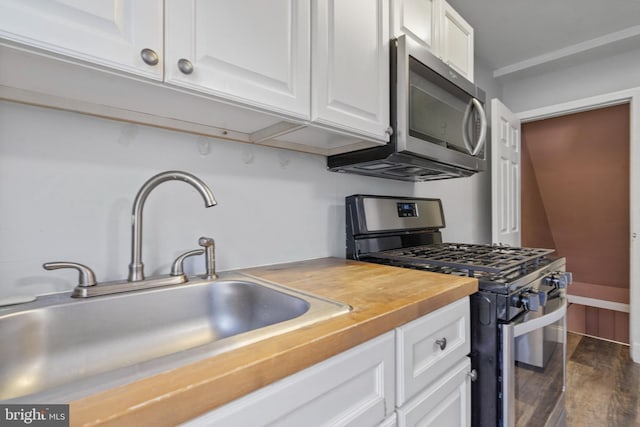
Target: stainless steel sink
(58, 348)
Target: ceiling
(516, 35)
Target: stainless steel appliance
(518, 327)
(438, 121)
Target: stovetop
(500, 269)
(405, 232)
(483, 258)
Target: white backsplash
(67, 183)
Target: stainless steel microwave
(438, 121)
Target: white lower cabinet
(447, 403)
(433, 381)
(354, 388)
(430, 346)
(417, 374)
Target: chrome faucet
(136, 268)
(88, 287)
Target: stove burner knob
(559, 279)
(530, 301)
(565, 279)
(551, 281)
(542, 297)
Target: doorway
(575, 199)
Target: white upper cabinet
(436, 26)
(252, 51)
(418, 20)
(112, 33)
(238, 70)
(456, 41)
(350, 74)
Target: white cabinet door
(446, 403)
(354, 388)
(456, 41)
(418, 20)
(112, 33)
(253, 52)
(350, 48)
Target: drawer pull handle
(473, 375)
(442, 342)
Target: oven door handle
(540, 322)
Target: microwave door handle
(483, 127)
(482, 138)
(465, 126)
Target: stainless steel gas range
(518, 316)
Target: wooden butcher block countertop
(382, 299)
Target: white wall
(576, 87)
(467, 201)
(67, 183)
(540, 88)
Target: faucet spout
(136, 268)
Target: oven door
(533, 367)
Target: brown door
(575, 198)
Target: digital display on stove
(407, 210)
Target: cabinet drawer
(446, 403)
(353, 388)
(429, 346)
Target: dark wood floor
(603, 384)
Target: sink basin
(58, 348)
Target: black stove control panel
(407, 210)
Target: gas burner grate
(486, 258)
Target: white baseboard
(635, 352)
(599, 303)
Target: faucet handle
(87, 277)
(177, 269)
(210, 256)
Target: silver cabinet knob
(149, 56)
(442, 343)
(86, 277)
(389, 131)
(473, 375)
(185, 66)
